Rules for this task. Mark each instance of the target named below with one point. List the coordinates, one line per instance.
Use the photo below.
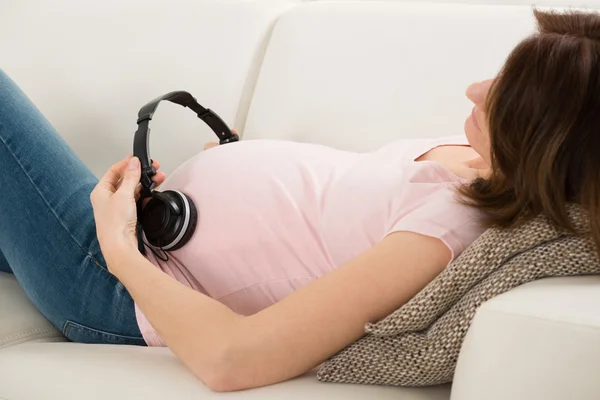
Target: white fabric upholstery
(90, 65)
(348, 74)
(538, 341)
(538, 3)
(95, 372)
(355, 75)
(20, 321)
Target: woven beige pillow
(419, 343)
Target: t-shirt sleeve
(441, 216)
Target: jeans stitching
(66, 328)
(43, 198)
(97, 263)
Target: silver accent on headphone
(186, 222)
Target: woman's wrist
(120, 254)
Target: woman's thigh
(47, 230)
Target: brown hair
(543, 114)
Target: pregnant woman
(297, 245)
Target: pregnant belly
(255, 241)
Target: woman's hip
(89, 306)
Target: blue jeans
(47, 229)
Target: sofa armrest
(538, 341)
(20, 321)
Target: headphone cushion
(156, 211)
(191, 226)
(152, 219)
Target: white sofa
(353, 75)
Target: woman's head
(538, 125)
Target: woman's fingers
(159, 178)
(111, 181)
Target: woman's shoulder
(442, 214)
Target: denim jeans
(47, 229)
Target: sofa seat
(41, 369)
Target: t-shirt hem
(148, 333)
(454, 245)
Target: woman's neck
(479, 166)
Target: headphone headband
(141, 148)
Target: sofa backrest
(90, 65)
(536, 3)
(355, 75)
(351, 74)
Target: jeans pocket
(82, 334)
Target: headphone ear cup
(163, 228)
(153, 219)
(189, 232)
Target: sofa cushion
(20, 321)
(129, 372)
(387, 70)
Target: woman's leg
(47, 229)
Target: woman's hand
(113, 200)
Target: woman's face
(476, 127)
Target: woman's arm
(232, 352)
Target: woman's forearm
(197, 328)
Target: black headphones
(170, 217)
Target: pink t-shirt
(275, 215)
